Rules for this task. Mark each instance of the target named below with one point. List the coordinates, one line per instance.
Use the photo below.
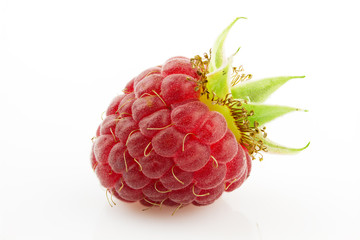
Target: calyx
(227, 90)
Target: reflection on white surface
(217, 221)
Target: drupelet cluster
(160, 145)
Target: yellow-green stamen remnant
(145, 150)
(107, 190)
(176, 209)
(233, 181)
(235, 114)
(152, 203)
(177, 179)
(239, 77)
(199, 195)
(159, 191)
(121, 187)
(137, 162)
(215, 162)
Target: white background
(61, 63)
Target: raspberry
(179, 135)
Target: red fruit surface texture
(160, 145)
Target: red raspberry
(159, 142)
(174, 138)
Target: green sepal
(218, 78)
(220, 67)
(266, 113)
(259, 90)
(218, 57)
(273, 147)
(218, 81)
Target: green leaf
(266, 113)
(259, 90)
(218, 57)
(273, 147)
